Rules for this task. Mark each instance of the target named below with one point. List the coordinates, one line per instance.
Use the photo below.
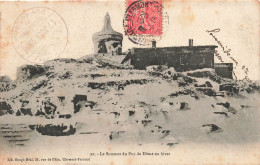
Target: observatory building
(108, 41)
(183, 58)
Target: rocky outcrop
(132, 100)
(226, 104)
(118, 84)
(79, 102)
(112, 64)
(55, 130)
(146, 122)
(115, 134)
(40, 84)
(24, 111)
(182, 92)
(184, 106)
(66, 75)
(205, 74)
(207, 91)
(6, 84)
(221, 113)
(27, 72)
(131, 113)
(212, 128)
(5, 108)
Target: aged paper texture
(129, 82)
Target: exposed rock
(244, 106)
(231, 88)
(255, 86)
(93, 76)
(65, 60)
(171, 144)
(226, 104)
(66, 75)
(184, 81)
(146, 122)
(112, 95)
(89, 132)
(90, 104)
(6, 84)
(38, 113)
(67, 116)
(207, 91)
(96, 85)
(232, 110)
(27, 72)
(120, 85)
(212, 128)
(115, 134)
(79, 101)
(112, 64)
(6, 79)
(205, 73)
(4, 87)
(182, 92)
(168, 73)
(165, 133)
(5, 108)
(117, 114)
(144, 104)
(159, 127)
(206, 84)
(26, 111)
(184, 106)
(49, 109)
(156, 68)
(221, 113)
(131, 113)
(41, 84)
(55, 130)
(221, 94)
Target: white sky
(238, 21)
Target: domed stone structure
(108, 41)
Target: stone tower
(107, 41)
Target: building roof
(107, 31)
(182, 47)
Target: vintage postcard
(129, 82)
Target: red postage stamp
(143, 18)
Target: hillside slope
(110, 102)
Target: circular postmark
(39, 34)
(143, 21)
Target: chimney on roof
(153, 44)
(190, 42)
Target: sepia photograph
(130, 82)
